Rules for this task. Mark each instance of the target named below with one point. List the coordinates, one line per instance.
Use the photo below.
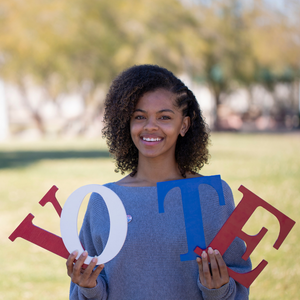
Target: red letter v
(39, 236)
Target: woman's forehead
(158, 97)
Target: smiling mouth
(152, 139)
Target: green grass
(268, 165)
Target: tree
(81, 45)
(224, 62)
(240, 46)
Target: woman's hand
(215, 275)
(84, 277)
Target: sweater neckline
(137, 187)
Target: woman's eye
(165, 118)
(139, 117)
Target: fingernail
(204, 254)
(95, 259)
(216, 251)
(75, 252)
(198, 259)
(85, 253)
(210, 250)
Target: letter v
(39, 236)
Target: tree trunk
(4, 125)
(217, 125)
(33, 112)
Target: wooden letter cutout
(39, 236)
(68, 224)
(232, 228)
(191, 207)
(117, 216)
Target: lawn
(268, 165)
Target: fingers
(222, 268)
(214, 269)
(206, 271)
(87, 274)
(97, 271)
(200, 266)
(78, 266)
(82, 275)
(215, 274)
(70, 262)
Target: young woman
(155, 131)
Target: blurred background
(57, 59)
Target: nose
(151, 124)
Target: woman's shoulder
(226, 189)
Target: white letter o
(117, 215)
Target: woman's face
(156, 124)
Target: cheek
(173, 130)
(134, 130)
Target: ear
(186, 122)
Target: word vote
(193, 223)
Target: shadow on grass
(17, 159)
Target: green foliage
(80, 46)
(268, 165)
(94, 41)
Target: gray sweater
(148, 266)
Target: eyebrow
(161, 111)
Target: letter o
(117, 215)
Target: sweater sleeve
(233, 259)
(99, 292)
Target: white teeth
(151, 139)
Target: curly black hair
(126, 89)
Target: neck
(151, 171)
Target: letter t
(191, 208)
